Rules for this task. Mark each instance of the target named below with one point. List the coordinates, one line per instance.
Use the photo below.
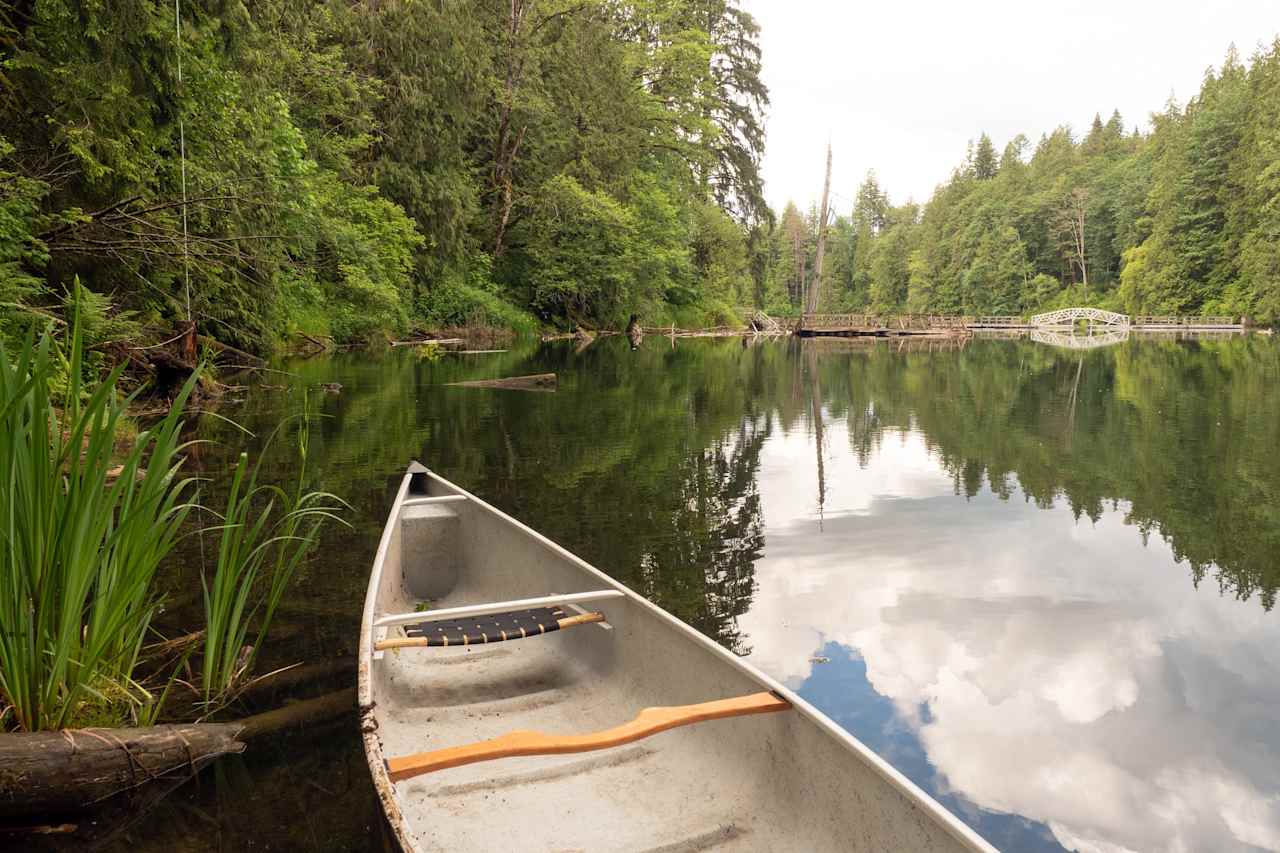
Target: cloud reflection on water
(1055, 669)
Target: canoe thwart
(493, 628)
(648, 722)
(498, 607)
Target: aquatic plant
(265, 533)
(83, 527)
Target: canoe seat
(490, 628)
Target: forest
(1181, 219)
(352, 169)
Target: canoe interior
(772, 782)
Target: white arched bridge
(1070, 316)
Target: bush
(468, 297)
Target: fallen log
(55, 773)
(534, 382)
(59, 772)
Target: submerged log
(534, 382)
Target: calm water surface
(1039, 582)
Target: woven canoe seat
(494, 628)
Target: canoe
(514, 697)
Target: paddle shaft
(648, 722)
(413, 642)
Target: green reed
(82, 531)
(266, 532)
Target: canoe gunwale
(373, 748)
(364, 675)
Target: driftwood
(535, 382)
(44, 773)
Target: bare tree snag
(815, 285)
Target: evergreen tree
(984, 159)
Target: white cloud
(901, 87)
(1072, 675)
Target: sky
(901, 86)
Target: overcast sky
(900, 86)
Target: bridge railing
(868, 320)
(1070, 316)
(1175, 322)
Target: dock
(853, 325)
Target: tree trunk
(815, 287)
(506, 146)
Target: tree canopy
(345, 169)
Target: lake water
(1038, 582)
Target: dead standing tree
(815, 286)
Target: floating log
(425, 341)
(44, 773)
(534, 382)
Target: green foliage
(83, 530)
(22, 253)
(466, 295)
(341, 167)
(579, 246)
(1182, 220)
(265, 533)
(984, 159)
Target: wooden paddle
(648, 722)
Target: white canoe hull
(781, 781)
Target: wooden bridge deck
(936, 325)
